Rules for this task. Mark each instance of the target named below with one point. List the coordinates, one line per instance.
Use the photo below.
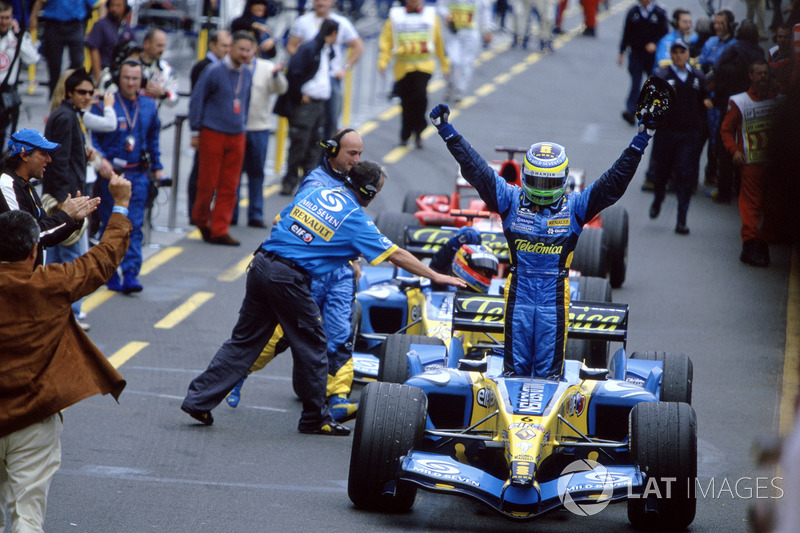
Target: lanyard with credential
(237, 104)
(130, 140)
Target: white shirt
(319, 87)
(259, 116)
(307, 27)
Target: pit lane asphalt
(144, 465)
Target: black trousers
(56, 36)
(413, 92)
(276, 294)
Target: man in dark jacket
(304, 102)
(28, 156)
(66, 174)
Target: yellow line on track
(98, 297)
(486, 89)
(159, 259)
(184, 310)
(791, 366)
(390, 113)
(126, 352)
(368, 127)
(235, 272)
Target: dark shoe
(341, 408)
(514, 42)
(130, 284)
(589, 32)
(114, 283)
(256, 224)
(287, 190)
(557, 30)
(762, 249)
(750, 254)
(655, 209)
(234, 222)
(331, 428)
(205, 234)
(648, 186)
(525, 43)
(629, 117)
(418, 142)
(681, 229)
(403, 143)
(225, 240)
(203, 417)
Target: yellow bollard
(202, 44)
(346, 97)
(87, 60)
(280, 142)
(32, 68)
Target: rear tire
(663, 443)
(593, 353)
(615, 233)
(591, 256)
(393, 361)
(676, 382)
(410, 201)
(393, 226)
(391, 421)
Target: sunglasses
(84, 92)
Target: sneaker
(332, 428)
(203, 417)
(80, 318)
(256, 224)
(341, 408)
(130, 284)
(751, 256)
(235, 395)
(114, 283)
(589, 32)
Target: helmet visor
(540, 181)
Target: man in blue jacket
(542, 226)
(131, 150)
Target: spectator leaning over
(268, 80)
(675, 144)
(724, 25)
(412, 37)
(106, 34)
(731, 77)
(64, 26)
(745, 135)
(333, 292)
(48, 362)
(29, 153)
(303, 245)
(219, 44)
(217, 116)
(347, 50)
(304, 102)
(254, 20)
(681, 28)
(65, 176)
(470, 23)
(9, 69)
(158, 78)
(131, 149)
(645, 24)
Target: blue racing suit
(541, 242)
(126, 154)
(334, 293)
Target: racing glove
(439, 115)
(646, 130)
(465, 235)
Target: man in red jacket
(744, 133)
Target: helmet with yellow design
(544, 175)
(475, 264)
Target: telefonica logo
(537, 248)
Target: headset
(676, 15)
(368, 190)
(332, 146)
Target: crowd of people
(99, 163)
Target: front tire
(676, 381)
(391, 421)
(663, 443)
(393, 360)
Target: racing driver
(542, 226)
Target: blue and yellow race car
(526, 446)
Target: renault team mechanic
(542, 226)
(322, 229)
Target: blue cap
(29, 139)
(678, 43)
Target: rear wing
(587, 320)
(424, 241)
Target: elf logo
(301, 232)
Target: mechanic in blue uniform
(334, 291)
(322, 229)
(542, 226)
(132, 150)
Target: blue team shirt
(324, 228)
